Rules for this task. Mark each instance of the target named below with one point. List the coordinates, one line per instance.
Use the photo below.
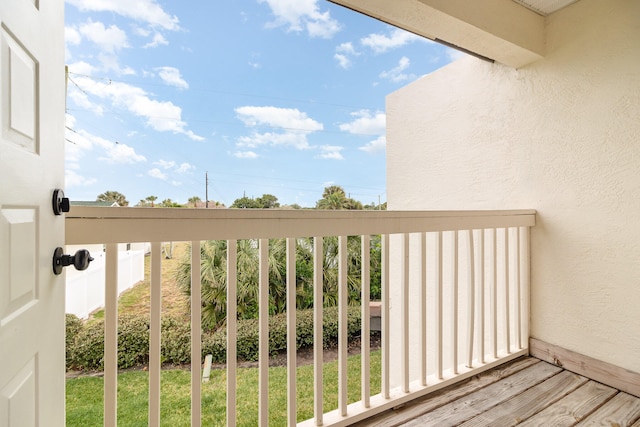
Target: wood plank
(463, 409)
(574, 407)
(530, 402)
(606, 373)
(623, 410)
(446, 395)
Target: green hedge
(85, 342)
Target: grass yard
(85, 401)
(85, 393)
(137, 299)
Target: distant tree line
(333, 197)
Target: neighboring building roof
(98, 204)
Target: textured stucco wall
(561, 136)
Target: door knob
(59, 203)
(80, 260)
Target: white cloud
(162, 116)
(344, 52)
(381, 43)
(168, 167)
(82, 67)
(114, 152)
(323, 26)
(121, 153)
(285, 118)
(75, 147)
(142, 32)
(343, 60)
(72, 36)
(82, 100)
(158, 39)
(375, 146)
(292, 139)
(184, 168)
(81, 141)
(110, 39)
(346, 48)
(164, 164)
(396, 74)
(110, 62)
(171, 165)
(73, 179)
(157, 173)
(245, 155)
(366, 123)
(331, 152)
(300, 15)
(172, 77)
(147, 11)
(294, 124)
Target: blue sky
(268, 96)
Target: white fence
(85, 290)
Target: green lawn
(84, 395)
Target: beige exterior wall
(562, 136)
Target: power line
(376, 189)
(234, 124)
(219, 91)
(209, 122)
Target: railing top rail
(85, 225)
(190, 213)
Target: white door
(32, 91)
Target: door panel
(17, 399)
(18, 268)
(32, 99)
(19, 71)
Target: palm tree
(330, 270)
(113, 196)
(334, 198)
(214, 279)
(332, 189)
(168, 203)
(194, 200)
(213, 266)
(151, 199)
(334, 201)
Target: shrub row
(85, 342)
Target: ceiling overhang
(545, 7)
(500, 30)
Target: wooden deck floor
(525, 392)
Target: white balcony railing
(472, 311)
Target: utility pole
(206, 189)
(379, 205)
